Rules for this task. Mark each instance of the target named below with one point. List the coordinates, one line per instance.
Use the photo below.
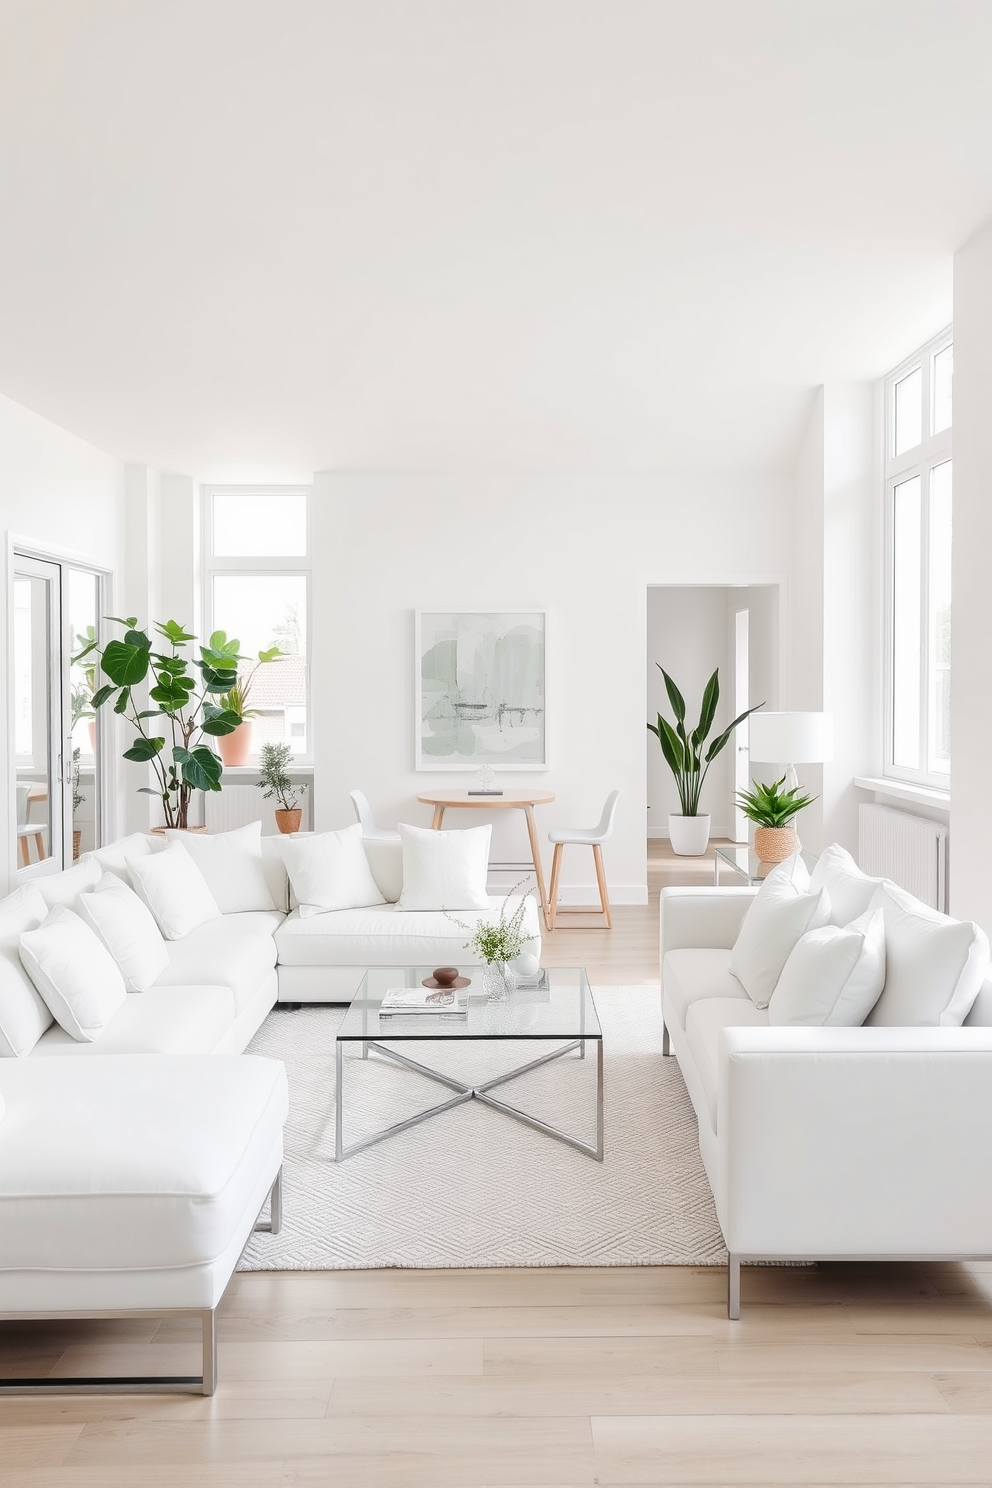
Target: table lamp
(791, 739)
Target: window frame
(261, 565)
(921, 460)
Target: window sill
(255, 769)
(904, 790)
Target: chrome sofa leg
(209, 1352)
(666, 1045)
(733, 1287)
(273, 1224)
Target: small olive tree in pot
(275, 784)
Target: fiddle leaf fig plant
(190, 696)
(683, 748)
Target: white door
(36, 708)
(742, 772)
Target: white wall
(971, 694)
(587, 547)
(61, 496)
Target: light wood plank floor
(470, 1379)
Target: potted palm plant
(773, 811)
(235, 747)
(683, 751)
(184, 695)
(276, 785)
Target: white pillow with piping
(175, 891)
(850, 890)
(232, 864)
(75, 974)
(445, 870)
(128, 930)
(329, 871)
(779, 914)
(833, 976)
(934, 966)
(24, 1013)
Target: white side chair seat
(364, 813)
(593, 837)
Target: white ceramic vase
(690, 835)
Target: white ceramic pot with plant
(773, 811)
(276, 785)
(689, 829)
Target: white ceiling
(248, 239)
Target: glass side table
(744, 863)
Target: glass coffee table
(744, 863)
(561, 1012)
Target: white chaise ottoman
(130, 1184)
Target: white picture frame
(480, 685)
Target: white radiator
(237, 805)
(911, 850)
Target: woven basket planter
(775, 844)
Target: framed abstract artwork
(480, 690)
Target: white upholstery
(329, 871)
(163, 1020)
(384, 935)
(233, 867)
(704, 1022)
(66, 887)
(445, 870)
(24, 1013)
(238, 956)
(692, 975)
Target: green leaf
(102, 694)
(130, 622)
(124, 663)
(123, 700)
(138, 638)
(81, 655)
(150, 713)
(707, 712)
(270, 654)
(177, 634)
(200, 768)
(219, 721)
(146, 790)
(219, 648)
(672, 747)
(144, 749)
(215, 680)
(674, 696)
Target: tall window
(257, 588)
(918, 520)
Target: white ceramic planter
(690, 835)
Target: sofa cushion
(163, 1020)
(24, 1013)
(691, 975)
(934, 966)
(233, 866)
(385, 858)
(850, 890)
(833, 977)
(127, 928)
(387, 936)
(74, 972)
(703, 1023)
(115, 857)
(779, 914)
(445, 870)
(329, 872)
(66, 887)
(175, 891)
(238, 956)
(154, 1170)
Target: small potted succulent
(276, 785)
(773, 811)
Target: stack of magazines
(406, 1000)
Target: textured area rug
(472, 1187)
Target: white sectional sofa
(827, 1142)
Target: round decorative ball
(446, 976)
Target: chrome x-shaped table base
(467, 1093)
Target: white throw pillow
(175, 891)
(24, 1013)
(781, 912)
(231, 863)
(330, 871)
(116, 856)
(833, 976)
(934, 966)
(385, 858)
(127, 928)
(445, 870)
(75, 975)
(66, 887)
(850, 890)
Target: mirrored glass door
(37, 716)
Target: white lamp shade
(791, 738)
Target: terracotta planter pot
(289, 821)
(235, 748)
(775, 844)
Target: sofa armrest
(855, 1141)
(703, 918)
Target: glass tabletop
(563, 1008)
(744, 861)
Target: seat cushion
(154, 1169)
(384, 935)
(236, 951)
(163, 1020)
(691, 975)
(702, 1030)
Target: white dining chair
(593, 837)
(364, 813)
(25, 828)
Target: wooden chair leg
(25, 851)
(553, 891)
(604, 897)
